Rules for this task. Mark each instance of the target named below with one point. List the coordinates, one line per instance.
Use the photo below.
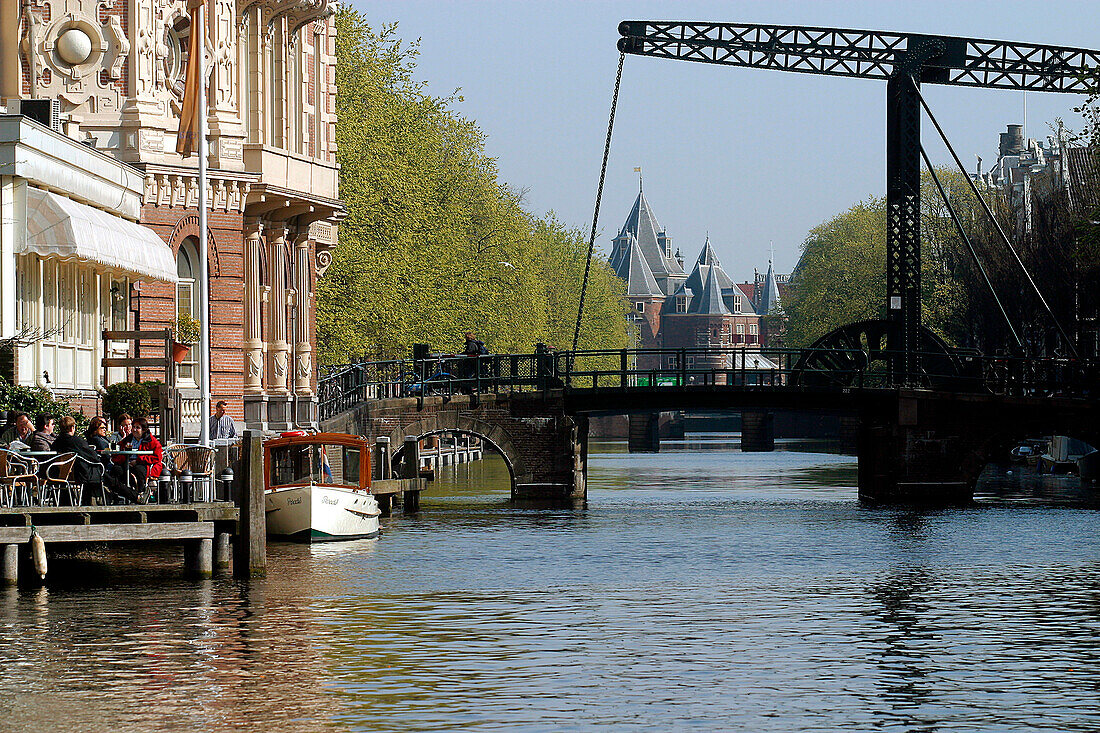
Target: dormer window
(640, 306)
(737, 303)
(681, 304)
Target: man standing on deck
(221, 425)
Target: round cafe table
(128, 453)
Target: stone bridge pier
(544, 448)
(930, 448)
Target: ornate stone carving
(303, 368)
(279, 365)
(324, 259)
(119, 44)
(67, 50)
(297, 12)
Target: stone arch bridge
(926, 442)
(544, 448)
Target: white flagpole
(204, 300)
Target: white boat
(317, 488)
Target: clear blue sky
(751, 156)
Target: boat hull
(320, 514)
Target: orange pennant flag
(187, 139)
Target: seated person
(123, 425)
(20, 430)
(42, 437)
(136, 470)
(87, 468)
(96, 434)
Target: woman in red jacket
(136, 470)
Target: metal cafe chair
(17, 472)
(200, 461)
(77, 488)
(56, 476)
(175, 463)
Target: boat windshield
(315, 464)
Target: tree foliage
(841, 277)
(434, 243)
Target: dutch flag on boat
(326, 469)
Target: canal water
(701, 589)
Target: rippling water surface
(701, 589)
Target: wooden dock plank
(111, 532)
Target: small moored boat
(317, 488)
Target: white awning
(60, 227)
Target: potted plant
(187, 333)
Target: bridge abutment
(545, 449)
(645, 432)
(757, 431)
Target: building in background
(107, 79)
(672, 308)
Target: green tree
(434, 243)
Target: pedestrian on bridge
(472, 350)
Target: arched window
(187, 301)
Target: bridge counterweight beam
(903, 291)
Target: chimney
(1012, 142)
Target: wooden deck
(214, 535)
(130, 523)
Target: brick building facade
(116, 71)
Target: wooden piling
(199, 557)
(223, 557)
(9, 564)
(250, 550)
(410, 465)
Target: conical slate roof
(708, 256)
(643, 224)
(633, 268)
(769, 298)
(709, 300)
(706, 262)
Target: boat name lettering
(327, 500)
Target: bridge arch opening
(505, 451)
(1039, 463)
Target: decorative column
(253, 338)
(278, 347)
(303, 348)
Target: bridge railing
(342, 387)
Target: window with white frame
(187, 302)
(639, 306)
(681, 304)
(741, 328)
(753, 329)
(737, 303)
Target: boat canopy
(322, 459)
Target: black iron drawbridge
(905, 61)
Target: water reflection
(701, 588)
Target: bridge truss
(904, 61)
(859, 365)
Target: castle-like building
(676, 308)
(99, 213)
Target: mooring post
(9, 564)
(411, 463)
(382, 458)
(250, 550)
(410, 498)
(223, 556)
